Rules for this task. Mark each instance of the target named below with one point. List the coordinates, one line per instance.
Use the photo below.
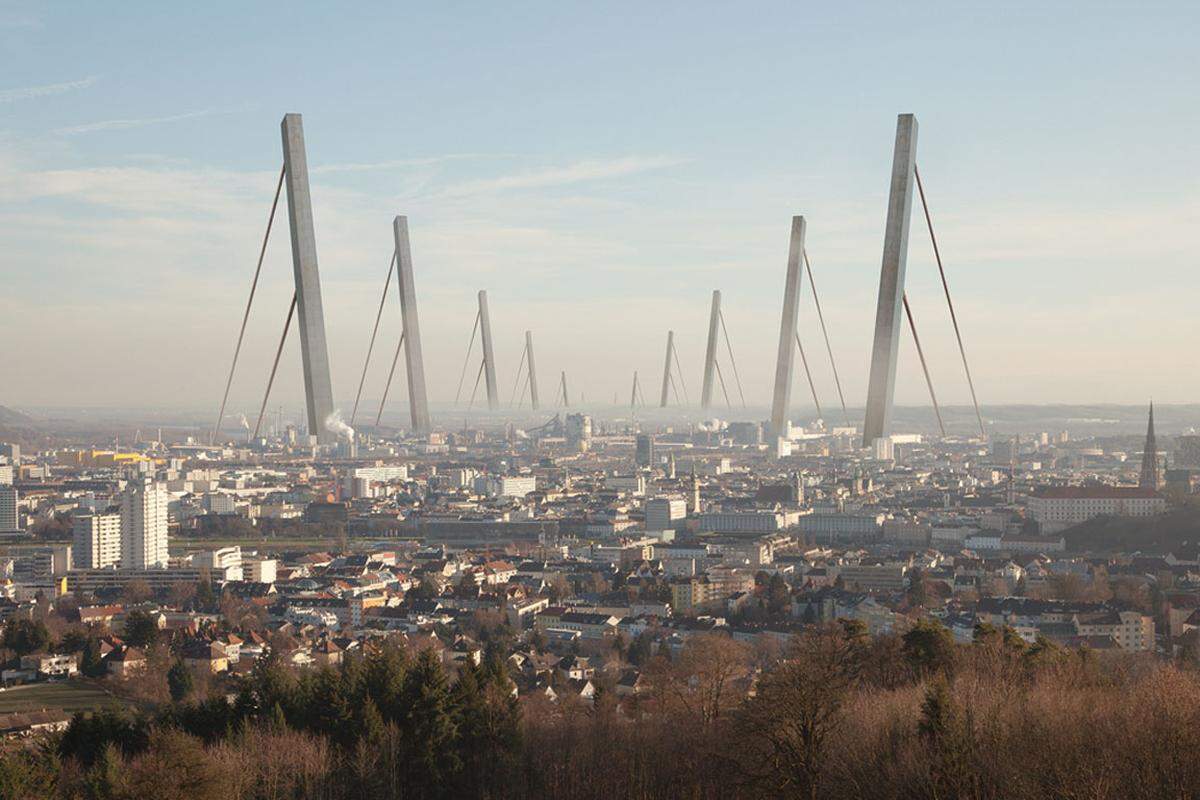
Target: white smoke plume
(336, 424)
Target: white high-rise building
(97, 539)
(665, 513)
(9, 519)
(144, 525)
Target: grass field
(68, 696)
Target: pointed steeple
(1149, 475)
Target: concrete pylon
(882, 385)
(318, 387)
(533, 395)
(418, 402)
(710, 354)
(787, 331)
(667, 369)
(489, 361)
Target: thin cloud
(403, 163)
(18, 23)
(578, 172)
(33, 92)
(126, 124)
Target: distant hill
(10, 416)
(1174, 531)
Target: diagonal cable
(370, 347)
(387, 387)
(732, 361)
(946, 288)
(246, 316)
(924, 367)
(811, 386)
(824, 332)
(467, 360)
(275, 365)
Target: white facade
(507, 486)
(97, 540)
(745, 522)
(226, 560)
(1059, 508)
(144, 525)
(259, 570)
(665, 513)
(382, 474)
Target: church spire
(1149, 474)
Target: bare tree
(786, 727)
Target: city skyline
(133, 202)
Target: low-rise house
(326, 653)
(125, 662)
(28, 723)
(204, 656)
(49, 666)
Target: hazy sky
(600, 169)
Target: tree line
(831, 713)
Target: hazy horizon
(599, 171)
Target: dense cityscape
(577, 570)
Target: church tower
(1149, 476)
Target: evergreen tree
(383, 681)
(430, 730)
(25, 636)
(104, 781)
(942, 727)
(206, 598)
(91, 664)
(180, 681)
(140, 629)
(929, 647)
(642, 649)
(489, 728)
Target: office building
(50, 562)
(644, 455)
(665, 513)
(9, 518)
(97, 539)
(144, 525)
(579, 432)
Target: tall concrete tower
(666, 383)
(533, 393)
(489, 362)
(787, 331)
(882, 385)
(710, 353)
(318, 388)
(414, 363)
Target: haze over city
(600, 171)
